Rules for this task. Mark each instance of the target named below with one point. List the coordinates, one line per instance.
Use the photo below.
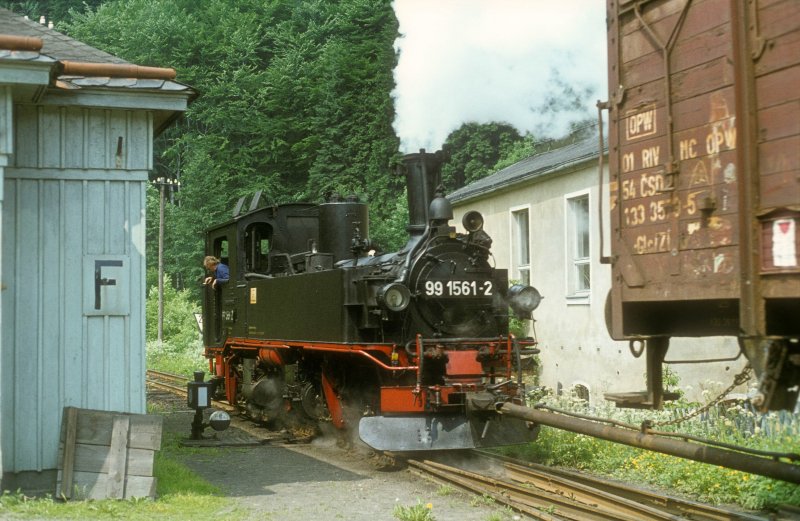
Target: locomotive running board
(410, 433)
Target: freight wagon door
(675, 173)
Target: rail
(557, 495)
(683, 449)
(176, 384)
(523, 471)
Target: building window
(578, 266)
(581, 392)
(520, 248)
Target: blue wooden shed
(76, 144)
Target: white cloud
(491, 60)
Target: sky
(493, 60)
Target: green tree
(519, 150)
(473, 150)
(55, 11)
(295, 100)
(529, 146)
(477, 150)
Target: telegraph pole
(162, 183)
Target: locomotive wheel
(312, 402)
(265, 397)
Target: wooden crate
(107, 455)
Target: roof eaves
(464, 195)
(75, 66)
(560, 160)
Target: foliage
(295, 100)
(445, 490)
(53, 10)
(483, 499)
(418, 512)
(180, 326)
(517, 326)
(392, 228)
(473, 150)
(181, 495)
(181, 350)
(173, 359)
(517, 151)
(703, 481)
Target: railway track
(539, 492)
(555, 495)
(176, 384)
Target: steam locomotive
(411, 347)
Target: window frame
(517, 268)
(574, 265)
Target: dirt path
(320, 481)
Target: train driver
(220, 270)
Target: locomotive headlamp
(472, 221)
(523, 299)
(394, 297)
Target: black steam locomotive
(412, 346)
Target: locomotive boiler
(411, 348)
(704, 157)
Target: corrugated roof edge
(538, 165)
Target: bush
(180, 326)
(776, 432)
(168, 358)
(181, 351)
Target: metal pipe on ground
(693, 451)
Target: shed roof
(56, 45)
(76, 66)
(551, 162)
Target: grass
(181, 494)
(708, 483)
(445, 490)
(418, 512)
(169, 359)
(484, 500)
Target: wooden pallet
(105, 455)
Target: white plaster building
(543, 215)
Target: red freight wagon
(704, 153)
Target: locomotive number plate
(458, 288)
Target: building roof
(546, 163)
(77, 65)
(56, 45)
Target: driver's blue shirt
(222, 274)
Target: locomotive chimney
(423, 174)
